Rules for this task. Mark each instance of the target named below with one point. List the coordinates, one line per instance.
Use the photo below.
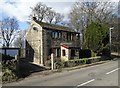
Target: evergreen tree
(96, 36)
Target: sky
(20, 9)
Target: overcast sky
(21, 8)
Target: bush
(9, 71)
(76, 62)
(8, 75)
(69, 63)
(58, 64)
(93, 54)
(84, 53)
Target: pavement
(98, 75)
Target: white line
(112, 71)
(86, 82)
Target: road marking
(86, 82)
(112, 71)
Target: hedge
(76, 62)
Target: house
(42, 39)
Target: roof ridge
(55, 26)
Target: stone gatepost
(52, 61)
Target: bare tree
(20, 39)
(39, 11)
(44, 13)
(8, 29)
(82, 13)
(58, 18)
(50, 15)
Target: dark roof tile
(54, 27)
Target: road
(99, 75)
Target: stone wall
(54, 43)
(33, 44)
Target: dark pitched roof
(54, 27)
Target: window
(72, 36)
(63, 52)
(56, 34)
(68, 36)
(35, 28)
(59, 35)
(53, 35)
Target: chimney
(34, 18)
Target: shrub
(8, 75)
(58, 63)
(9, 71)
(76, 62)
(84, 53)
(93, 54)
(69, 63)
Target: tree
(20, 39)
(45, 13)
(8, 29)
(58, 18)
(39, 11)
(83, 12)
(19, 42)
(50, 15)
(96, 36)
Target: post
(81, 40)
(52, 61)
(110, 38)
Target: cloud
(18, 9)
(21, 8)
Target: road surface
(99, 75)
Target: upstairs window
(56, 34)
(60, 35)
(53, 34)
